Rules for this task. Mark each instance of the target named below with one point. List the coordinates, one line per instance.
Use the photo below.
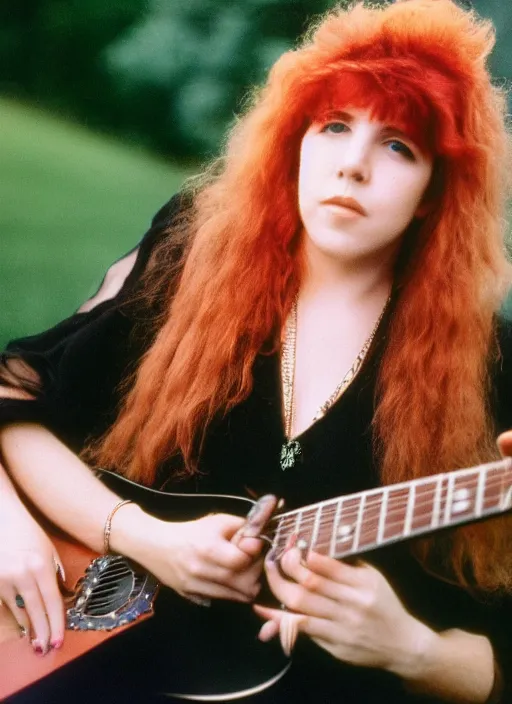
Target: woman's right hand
(28, 568)
(208, 558)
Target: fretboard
(357, 523)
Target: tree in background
(185, 66)
(50, 53)
(168, 73)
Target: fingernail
(253, 512)
(271, 556)
(56, 644)
(267, 632)
(259, 506)
(60, 571)
(38, 648)
(251, 531)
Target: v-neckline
(368, 360)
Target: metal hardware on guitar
(180, 647)
(112, 593)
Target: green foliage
(198, 58)
(49, 50)
(170, 74)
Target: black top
(80, 363)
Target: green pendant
(289, 453)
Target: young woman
(316, 316)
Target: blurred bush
(166, 73)
(193, 62)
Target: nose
(354, 159)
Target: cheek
(411, 190)
(307, 179)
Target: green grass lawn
(71, 202)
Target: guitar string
(349, 513)
(367, 536)
(331, 504)
(308, 521)
(367, 532)
(353, 511)
(424, 483)
(397, 522)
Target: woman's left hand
(350, 611)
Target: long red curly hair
(419, 65)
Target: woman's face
(377, 168)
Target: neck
(355, 282)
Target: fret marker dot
(460, 506)
(302, 544)
(461, 494)
(345, 532)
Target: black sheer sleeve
(67, 377)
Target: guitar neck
(357, 523)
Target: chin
(336, 244)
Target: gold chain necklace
(291, 449)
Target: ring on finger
(23, 631)
(19, 601)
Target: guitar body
(185, 650)
(212, 654)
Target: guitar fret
(383, 515)
(298, 522)
(316, 527)
(410, 510)
(359, 521)
(448, 500)
(370, 520)
(345, 530)
(277, 535)
(396, 510)
(493, 492)
(464, 496)
(290, 530)
(505, 501)
(436, 509)
(335, 529)
(480, 491)
(424, 498)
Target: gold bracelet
(108, 525)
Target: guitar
(212, 654)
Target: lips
(349, 203)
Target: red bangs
(420, 100)
(389, 104)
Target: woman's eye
(396, 146)
(335, 127)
